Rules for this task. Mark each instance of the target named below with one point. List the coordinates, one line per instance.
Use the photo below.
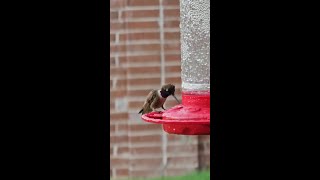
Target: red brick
(204, 138)
(171, 24)
(172, 35)
(143, 2)
(112, 61)
(112, 128)
(112, 37)
(114, 139)
(119, 162)
(171, 2)
(144, 47)
(116, 26)
(113, 48)
(173, 57)
(140, 59)
(140, 13)
(118, 93)
(145, 57)
(145, 139)
(138, 92)
(112, 105)
(137, 47)
(117, 4)
(144, 70)
(192, 148)
(172, 53)
(145, 81)
(146, 163)
(142, 127)
(122, 127)
(135, 104)
(118, 48)
(116, 116)
(173, 80)
(171, 13)
(118, 72)
(140, 36)
(142, 25)
(122, 172)
(173, 69)
(172, 47)
(173, 137)
(146, 150)
(123, 59)
(121, 83)
(118, 121)
(123, 150)
(114, 15)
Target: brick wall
(144, 54)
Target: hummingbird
(156, 98)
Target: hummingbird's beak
(176, 98)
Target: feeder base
(192, 117)
(187, 129)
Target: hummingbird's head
(167, 90)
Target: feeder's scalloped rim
(175, 121)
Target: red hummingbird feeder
(192, 116)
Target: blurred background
(145, 54)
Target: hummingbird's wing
(151, 96)
(147, 104)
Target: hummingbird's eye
(166, 89)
